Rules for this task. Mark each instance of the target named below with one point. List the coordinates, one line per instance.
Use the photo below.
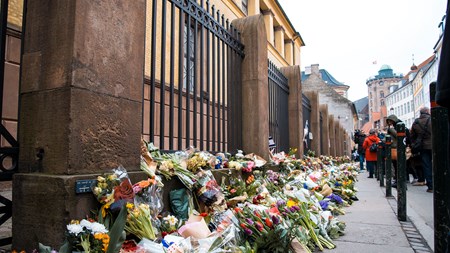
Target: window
(188, 75)
(409, 106)
(245, 6)
(381, 94)
(382, 101)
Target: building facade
(378, 88)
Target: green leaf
(115, 234)
(44, 249)
(66, 247)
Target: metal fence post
(379, 158)
(388, 165)
(441, 175)
(380, 163)
(401, 172)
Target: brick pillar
(313, 97)
(293, 75)
(332, 130)
(255, 92)
(325, 137)
(80, 109)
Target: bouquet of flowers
(209, 192)
(169, 225)
(113, 190)
(169, 165)
(139, 222)
(265, 232)
(149, 192)
(88, 236)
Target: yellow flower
(104, 238)
(291, 203)
(101, 179)
(130, 205)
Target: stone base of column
(44, 204)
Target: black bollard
(441, 175)
(388, 165)
(401, 172)
(379, 158)
(380, 163)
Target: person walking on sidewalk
(359, 139)
(421, 143)
(371, 155)
(392, 122)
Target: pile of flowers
(258, 206)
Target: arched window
(382, 102)
(382, 94)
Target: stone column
(332, 130)
(293, 74)
(279, 39)
(255, 92)
(268, 20)
(253, 7)
(289, 51)
(313, 97)
(338, 138)
(341, 139)
(80, 109)
(325, 137)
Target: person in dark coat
(391, 122)
(422, 128)
(359, 139)
(371, 157)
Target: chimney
(308, 70)
(315, 69)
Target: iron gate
(10, 53)
(278, 108)
(306, 109)
(192, 88)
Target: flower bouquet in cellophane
(113, 190)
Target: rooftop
(326, 77)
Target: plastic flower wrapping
(258, 205)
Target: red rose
(123, 191)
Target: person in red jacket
(371, 156)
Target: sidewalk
(372, 224)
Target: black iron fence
(306, 109)
(192, 88)
(278, 108)
(10, 55)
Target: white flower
(98, 228)
(171, 219)
(75, 229)
(94, 227)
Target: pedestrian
(359, 140)
(421, 143)
(370, 152)
(391, 122)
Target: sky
(347, 37)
